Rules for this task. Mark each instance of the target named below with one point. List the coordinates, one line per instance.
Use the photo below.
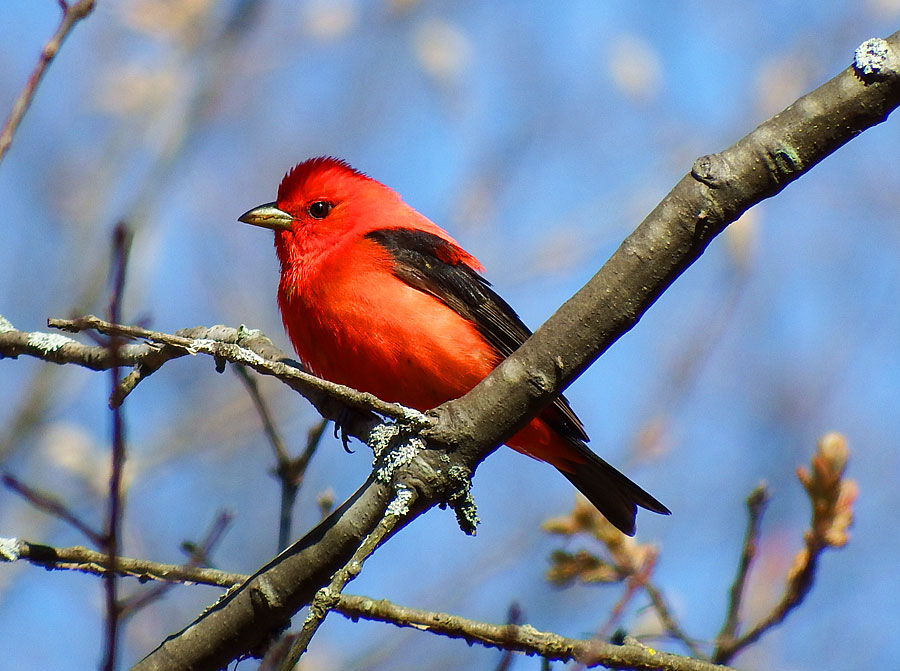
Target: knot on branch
(712, 170)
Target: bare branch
(523, 638)
(290, 375)
(80, 558)
(72, 14)
(668, 620)
(756, 505)
(832, 497)
(327, 597)
(52, 506)
(121, 246)
(240, 346)
(290, 471)
(510, 636)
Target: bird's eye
(319, 209)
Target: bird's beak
(267, 216)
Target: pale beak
(267, 216)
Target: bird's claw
(344, 436)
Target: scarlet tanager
(377, 297)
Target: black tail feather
(612, 493)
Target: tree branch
(832, 497)
(521, 638)
(85, 560)
(72, 14)
(241, 346)
(294, 377)
(756, 505)
(719, 188)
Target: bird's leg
(343, 417)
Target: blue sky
(539, 137)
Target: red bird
(377, 297)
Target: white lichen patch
(251, 358)
(9, 549)
(215, 347)
(872, 56)
(47, 342)
(6, 325)
(200, 345)
(399, 456)
(414, 417)
(380, 438)
(399, 505)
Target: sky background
(539, 136)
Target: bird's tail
(611, 492)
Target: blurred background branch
(71, 15)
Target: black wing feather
(418, 261)
(430, 264)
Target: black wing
(431, 264)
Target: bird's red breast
(378, 297)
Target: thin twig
(756, 506)
(291, 474)
(669, 622)
(831, 498)
(71, 14)
(618, 610)
(52, 506)
(121, 245)
(327, 597)
(275, 440)
(290, 470)
(199, 556)
(85, 560)
(290, 375)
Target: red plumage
(377, 297)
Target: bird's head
(323, 202)
(324, 199)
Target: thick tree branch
(717, 190)
(715, 193)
